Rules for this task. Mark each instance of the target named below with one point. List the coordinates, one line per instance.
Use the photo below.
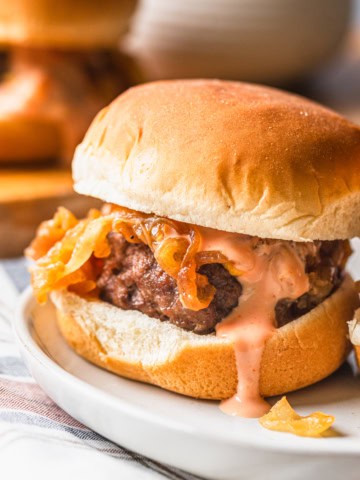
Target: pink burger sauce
(269, 272)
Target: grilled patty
(132, 279)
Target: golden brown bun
(48, 99)
(65, 23)
(28, 140)
(142, 348)
(227, 155)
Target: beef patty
(133, 280)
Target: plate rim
(26, 342)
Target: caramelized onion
(283, 418)
(68, 251)
(50, 232)
(170, 254)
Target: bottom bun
(135, 346)
(25, 139)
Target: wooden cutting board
(28, 197)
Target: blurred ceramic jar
(256, 40)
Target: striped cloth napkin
(37, 438)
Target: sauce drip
(269, 272)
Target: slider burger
(216, 267)
(62, 67)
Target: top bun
(64, 23)
(227, 155)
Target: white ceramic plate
(190, 434)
